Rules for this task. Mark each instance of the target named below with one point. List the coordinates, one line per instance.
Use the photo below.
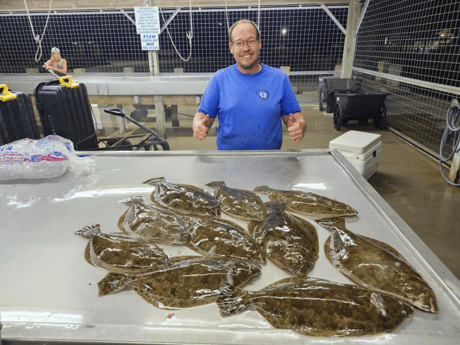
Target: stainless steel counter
(118, 84)
(48, 292)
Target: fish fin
(88, 254)
(252, 225)
(192, 186)
(229, 222)
(154, 181)
(175, 259)
(132, 199)
(231, 300)
(215, 184)
(262, 189)
(121, 221)
(89, 231)
(333, 223)
(384, 246)
(276, 204)
(114, 282)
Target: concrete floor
(408, 179)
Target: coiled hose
(452, 131)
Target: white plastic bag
(46, 158)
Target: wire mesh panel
(304, 39)
(412, 50)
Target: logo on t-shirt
(262, 94)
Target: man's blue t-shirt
(249, 107)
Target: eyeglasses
(251, 42)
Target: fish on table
(155, 223)
(238, 203)
(318, 307)
(183, 198)
(288, 241)
(308, 203)
(221, 238)
(376, 265)
(188, 282)
(121, 253)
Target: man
(57, 64)
(250, 99)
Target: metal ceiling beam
(361, 16)
(171, 17)
(324, 7)
(76, 5)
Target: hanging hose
(37, 38)
(452, 131)
(189, 34)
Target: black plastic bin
(17, 119)
(321, 90)
(65, 110)
(332, 85)
(360, 106)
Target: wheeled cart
(328, 86)
(361, 107)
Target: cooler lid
(355, 141)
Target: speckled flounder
(183, 198)
(308, 203)
(318, 307)
(238, 203)
(152, 222)
(224, 239)
(185, 284)
(121, 253)
(376, 265)
(288, 241)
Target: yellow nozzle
(6, 96)
(69, 82)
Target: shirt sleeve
(210, 100)
(289, 104)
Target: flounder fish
(288, 241)
(238, 203)
(152, 222)
(318, 307)
(376, 266)
(221, 238)
(308, 203)
(184, 284)
(183, 198)
(121, 253)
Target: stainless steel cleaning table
(48, 292)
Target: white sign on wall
(148, 26)
(150, 42)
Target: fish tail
(277, 204)
(231, 300)
(89, 231)
(114, 282)
(154, 181)
(333, 223)
(133, 199)
(262, 189)
(215, 184)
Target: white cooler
(361, 149)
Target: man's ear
(230, 45)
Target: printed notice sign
(150, 42)
(148, 26)
(147, 19)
